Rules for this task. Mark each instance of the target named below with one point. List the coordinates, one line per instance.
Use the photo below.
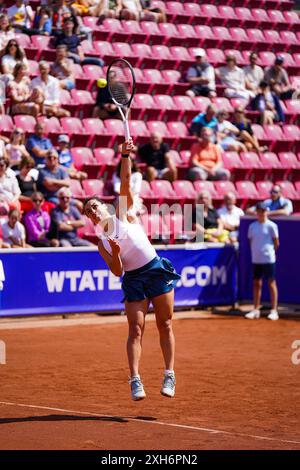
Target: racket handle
(126, 130)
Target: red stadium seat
(111, 30)
(185, 191)
(172, 37)
(176, 12)
(201, 103)
(277, 19)
(146, 57)
(261, 17)
(240, 38)
(263, 189)
(143, 107)
(223, 187)
(77, 190)
(73, 127)
(158, 126)
(152, 32)
(27, 123)
(6, 125)
(267, 58)
(84, 101)
(95, 129)
(147, 195)
(216, 57)
(188, 35)
(211, 15)
(272, 165)
(88, 231)
(102, 48)
(123, 49)
(223, 103)
(153, 226)
(115, 129)
(182, 57)
(179, 131)
(33, 68)
(247, 192)
(97, 187)
(186, 107)
(245, 17)
(205, 36)
(288, 189)
(172, 78)
(292, 20)
(134, 31)
(84, 160)
(273, 39)
(252, 163)
(206, 186)
(293, 108)
(233, 163)
(290, 162)
(290, 41)
(257, 39)
(165, 107)
(139, 129)
(163, 54)
(223, 37)
(164, 191)
(40, 45)
(107, 161)
(229, 16)
(154, 77)
(52, 127)
(238, 55)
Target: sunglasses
(273, 191)
(37, 200)
(52, 158)
(65, 197)
(13, 45)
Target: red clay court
(66, 387)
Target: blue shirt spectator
(207, 119)
(38, 145)
(52, 178)
(261, 236)
(276, 204)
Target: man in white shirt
(233, 78)
(230, 215)
(49, 88)
(20, 15)
(254, 74)
(201, 76)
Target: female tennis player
(126, 249)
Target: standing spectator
(37, 223)
(246, 132)
(27, 183)
(275, 205)
(207, 119)
(23, 99)
(206, 161)
(67, 219)
(228, 134)
(52, 178)
(212, 229)
(62, 68)
(278, 79)
(130, 10)
(158, 159)
(13, 55)
(105, 108)
(42, 23)
(38, 145)
(9, 188)
(20, 15)
(72, 40)
(66, 160)
(50, 88)
(13, 231)
(6, 31)
(233, 78)
(264, 241)
(16, 149)
(254, 74)
(230, 215)
(268, 104)
(201, 75)
(150, 13)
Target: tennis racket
(121, 86)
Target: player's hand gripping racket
(121, 86)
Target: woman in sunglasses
(16, 148)
(37, 223)
(13, 54)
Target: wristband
(125, 155)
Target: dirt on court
(237, 388)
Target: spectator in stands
(228, 134)
(37, 223)
(2, 94)
(66, 160)
(16, 149)
(233, 78)
(276, 205)
(13, 231)
(264, 240)
(201, 75)
(42, 23)
(130, 10)
(27, 183)
(13, 55)
(52, 177)
(150, 13)
(23, 99)
(62, 68)
(49, 87)
(72, 40)
(246, 132)
(158, 159)
(230, 215)
(38, 145)
(207, 119)
(9, 188)
(67, 219)
(278, 79)
(268, 104)
(105, 107)
(3, 152)
(6, 31)
(60, 12)
(212, 229)
(254, 74)
(3, 8)
(20, 15)
(89, 7)
(206, 162)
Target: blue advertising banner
(287, 265)
(77, 280)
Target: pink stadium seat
(147, 194)
(247, 192)
(238, 55)
(182, 57)
(245, 17)
(102, 48)
(41, 45)
(223, 36)
(206, 186)
(290, 41)
(95, 186)
(205, 36)
(272, 165)
(115, 129)
(277, 19)
(223, 103)
(172, 37)
(27, 123)
(172, 78)
(83, 159)
(257, 38)
(174, 223)
(258, 131)
(288, 189)
(33, 68)
(153, 226)
(215, 57)
(179, 131)
(6, 125)
(95, 129)
(185, 106)
(211, 15)
(165, 107)
(152, 32)
(252, 163)
(267, 58)
(223, 187)
(201, 103)
(158, 126)
(134, 31)
(233, 163)
(107, 161)
(123, 49)
(274, 136)
(273, 39)
(291, 133)
(240, 38)
(23, 40)
(193, 10)
(229, 16)
(261, 17)
(263, 189)
(188, 35)
(185, 156)
(154, 77)
(176, 12)
(76, 189)
(164, 191)
(292, 20)
(52, 127)
(139, 129)
(184, 191)
(164, 56)
(143, 107)
(291, 164)
(111, 30)
(91, 73)
(84, 102)
(293, 108)
(146, 57)
(88, 231)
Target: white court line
(160, 423)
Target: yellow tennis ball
(101, 82)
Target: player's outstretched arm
(126, 196)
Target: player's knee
(135, 331)
(164, 326)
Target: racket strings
(120, 93)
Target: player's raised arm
(126, 195)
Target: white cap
(199, 52)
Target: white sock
(135, 377)
(169, 372)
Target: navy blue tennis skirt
(155, 278)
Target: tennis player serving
(126, 249)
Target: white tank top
(136, 249)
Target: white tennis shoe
(137, 389)
(254, 314)
(168, 386)
(273, 315)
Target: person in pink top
(37, 223)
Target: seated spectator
(49, 87)
(42, 23)
(13, 231)
(268, 104)
(278, 79)
(212, 229)
(16, 149)
(20, 15)
(72, 40)
(52, 177)
(3, 7)
(105, 108)
(13, 55)
(150, 13)
(276, 205)
(9, 188)
(246, 133)
(38, 145)
(230, 215)
(158, 159)
(89, 7)
(254, 74)
(62, 69)
(27, 183)
(206, 162)
(6, 31)
(2, 94)
(130, 10)
(68, 219)
(135, 186)
(228, 134)
(23, 99)
(66, 160)
(2, 244)
(37, 223)
(201, 75)
(233, 78)
(207, 119)
(3, 152)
